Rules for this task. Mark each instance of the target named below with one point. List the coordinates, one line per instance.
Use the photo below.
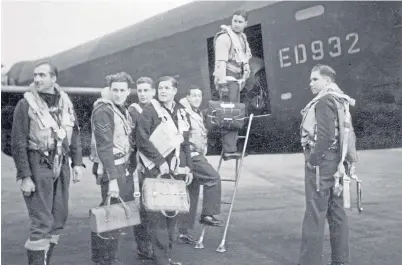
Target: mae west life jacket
(45, 133)
(198, 131)
(344, 128)
(138, 108)
(121, 134)
(238, 56)
(167, 137)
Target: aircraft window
(310, 12)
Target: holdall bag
(225, 115)
(114, 216)
(165, 195)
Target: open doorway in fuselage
(255, 93)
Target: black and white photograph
(182, 132)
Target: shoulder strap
(343, 111)
(44, 117)
(31, 101)
(137, 107)
(159, 109)
(236, 42)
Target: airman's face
(43, 80)
(318, 82)
(119, 92)
(145, 93)
(166, 91)
(238, 23)
(195, 98)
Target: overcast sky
(35, 29)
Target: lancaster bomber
(360, 40)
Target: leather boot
(36, 257)
(104, 250)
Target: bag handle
(108, 208)
(170, 216)
(160, 175)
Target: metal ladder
(239, 165)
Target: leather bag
(225, 116)
(114, 216)
(165, 195)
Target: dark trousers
(204, 174)
(319, 206)
(105, 246)
(230, 93)
(161, 234)
(141, 231)
(48, 205)
(161, 231)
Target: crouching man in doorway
(203, 172)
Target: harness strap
(137, 107)
(345, 140)
(164, 116)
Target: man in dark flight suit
(161, 227)
(203, 172)
(145, 92)
(322, 135)
(110, 152)
(45, 134)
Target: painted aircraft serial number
(317, 49)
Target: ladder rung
(242, 137)
(229, 180)
(223, 202)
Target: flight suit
(141, 231)
(230, 91)
(48, 205)
(111, 134)
(161, 228)
(326, 154)
(203, 172)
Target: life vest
(44, 130)
(238, 55)
(136, 106)
(344, 129)
(167, 137)
(198, 132)
(121, 134)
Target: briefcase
(165, 195)
(227, 116)
(114, 216)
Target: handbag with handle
(114, 216)
(165, 195)
(223, 116)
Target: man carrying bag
(110, 151)
(162, 157)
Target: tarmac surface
(266, 223)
